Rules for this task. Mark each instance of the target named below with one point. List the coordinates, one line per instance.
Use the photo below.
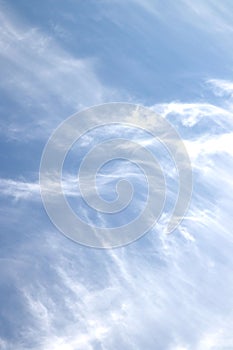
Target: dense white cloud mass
(165, 292)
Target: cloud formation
(44, 82)
(164, 291)
(172, 284)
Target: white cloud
(190, 114)
(207, 146)
(19, 189)
(169, 292)
(221, 87)
(45, 82)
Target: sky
(165, 292)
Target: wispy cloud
(163, 291)
(44, 82)
(190, 114)
(125, 294)
(221, 87)
(19, 189)
(207, 15)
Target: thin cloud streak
(44, 80)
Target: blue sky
(171, 292)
